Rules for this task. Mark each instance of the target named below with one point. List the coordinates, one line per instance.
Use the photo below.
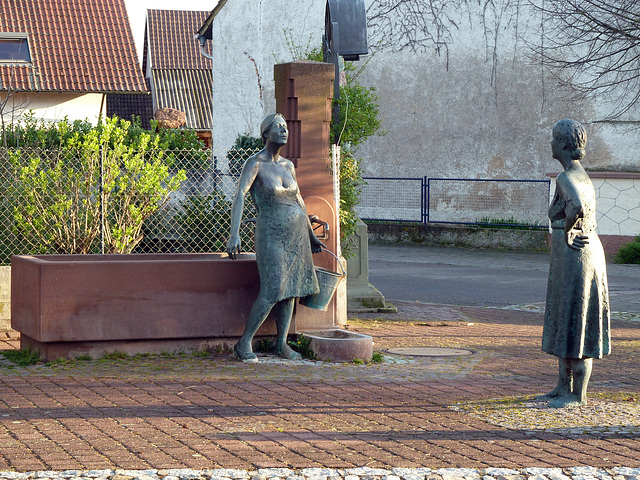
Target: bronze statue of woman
(284, 239)
(576, 323)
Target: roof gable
(171, 41)
(76, 46)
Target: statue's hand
(316, 245)
(577, 242)
(233, 246)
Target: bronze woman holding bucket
(284, 238)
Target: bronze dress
(282, 245)
(576, 323)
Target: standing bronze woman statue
(576, 323)
(284, 239)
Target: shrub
(245, 146)
(629, 252)
(113, 173)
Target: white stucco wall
(56, 106)
(483, 112)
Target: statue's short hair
(267, 122)
(573, 134)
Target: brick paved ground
(214, 412)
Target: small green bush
(377, 357)
(302, 345)
(629, 252)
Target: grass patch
(115, 355)
(506, 224)
(22, 358)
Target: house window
(14, 49)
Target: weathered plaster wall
(485, 111)
(248, 39)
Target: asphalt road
(478, 277)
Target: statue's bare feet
(247, 356)
(567, 401)
(555, 393)
(287, 352)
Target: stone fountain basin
(337, 345)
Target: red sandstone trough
(64, 305)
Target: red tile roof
(171, 40)
(76, 46)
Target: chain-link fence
(114, 201)
(488, 201)
(455, 200)
(393, 199)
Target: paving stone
(186, 473)
(229, 473)
(411, 472)
(368, 471)
(408, 476)
(433, 476)
(500, 471)
(626, 471)
(319, 472)
(537, 477)
(276, 472)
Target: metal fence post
(427, 187)
(102, 199)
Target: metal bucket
(328, 281)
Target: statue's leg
(581, 368)
(257, 315)
(565, 381)
(284, 311)
(581, 375)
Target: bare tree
(594, 46)
(416, 25)
(423, 25)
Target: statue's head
(570, 136)
(268, 122)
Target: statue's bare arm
(247, 177)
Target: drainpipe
(203, 40)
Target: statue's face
(557, 146)
(278, 132)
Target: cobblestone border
(362, 473)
